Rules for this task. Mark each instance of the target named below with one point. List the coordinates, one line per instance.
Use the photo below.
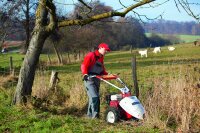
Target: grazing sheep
(156, 50)
(171, 48)
(143, 53)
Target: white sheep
(156, 50)
(171, 48)
(143, 53)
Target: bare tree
(22, 12)
(55, 38)
(26, 7)
(43, 28)
(5, 26)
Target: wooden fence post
(11, 65)
(53, 80)
(79, 55)
(68, 57)
(61, 57)
(131, 49)
(49, 59)
(134, 74)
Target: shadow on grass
(74, 111)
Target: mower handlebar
(110, 77)
(105, 77)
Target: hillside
(183, 38)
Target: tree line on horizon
(172, 27)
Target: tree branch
(186, 7)
(52, 11)
(41, 14)
(85, 4)
(102, 16)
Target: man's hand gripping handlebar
(105, 77)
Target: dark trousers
(92, 88)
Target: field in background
(12, 46)
(165, 79)
(188, 38)
(183, 38)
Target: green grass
(5, 59)
(13, 119)
(189, 38)
(183, 38)
(161, 65)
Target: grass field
(183, 38)
(188, 38)
(167, 83)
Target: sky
(168, 10)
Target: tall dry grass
(174, 103)
(77, 95)
(40, 86)
(72, 96)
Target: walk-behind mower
(122, 106)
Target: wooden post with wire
(134, 74)
(53, 81)
(11, 65)
(131, 49)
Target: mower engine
(123, 105)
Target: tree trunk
(27, 39)
(41, 31)
(27, 27)
(57, 54)
(27, 71)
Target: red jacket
(90, 60)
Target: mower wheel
(112, 115)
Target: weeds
(173, 103)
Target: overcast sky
(168, 10)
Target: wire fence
(9, 65)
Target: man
(93, 64)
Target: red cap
(104, 45)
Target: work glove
(85, 77)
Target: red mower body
(115, 104)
